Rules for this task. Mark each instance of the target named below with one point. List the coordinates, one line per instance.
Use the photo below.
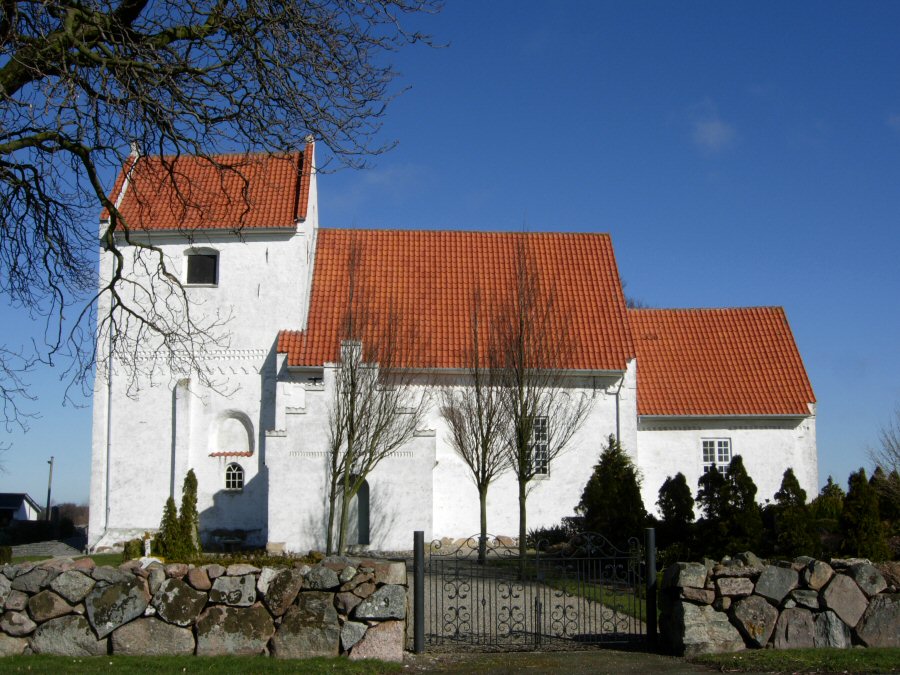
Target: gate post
(418, 591)
(650, 567)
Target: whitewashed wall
(157, 430)
(425, 486)
(551, 497)
(400, 488)
(767, 446)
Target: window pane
(234, 477)
(201, 268)
(539, 445)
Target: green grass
(806, 660)
(109, 559)
(242, 665)
(622, 601)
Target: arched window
(234, 477)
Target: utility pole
(49, 485)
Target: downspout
(109, 363)
(621, 382)
(135, 154)
(108, 433)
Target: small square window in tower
(203, 268)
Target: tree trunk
(345, 514)
(329, 537)
(522, 545)
(482, 540)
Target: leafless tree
(888, 455)
(474, 412)
(378, 400)
(83, 80)
(533, 346)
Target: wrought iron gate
(585, 591)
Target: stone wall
(745, 603)
(339, 606)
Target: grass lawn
(806, 661)
(108, 559)
(622, 601)
(614, 596)
(243, 665)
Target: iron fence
(585, 591)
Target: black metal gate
(585, 591)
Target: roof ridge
(442, 230)
(285, 154)
(704, 309)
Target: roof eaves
(746, 416)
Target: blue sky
(738, 154)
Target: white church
(682, 389)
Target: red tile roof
(428, 278)
(221, 192)
(739, 361)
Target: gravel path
(50, 549)
(469, 606)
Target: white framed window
(234, 477)
(202, 267)
(716, 452)
(540, 446)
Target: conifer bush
(732, 520)
(793, 523)
(675, 531)
(861, 525)
(178, 536)
(133, 549)
(611, 501)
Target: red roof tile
(739, 361)
(428, 278)
(220, 192)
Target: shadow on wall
(237, 518)
(371, 519)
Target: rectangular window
(716, 452)
(540, 446)
(202, 268)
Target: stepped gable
(736, 361)
(427, 280)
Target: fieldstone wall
(746, 603)
(355, 607)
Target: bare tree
(378, 399)
(534, 346)
(83, 81)
(888, 456)
(475, 415)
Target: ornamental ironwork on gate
(584, 591)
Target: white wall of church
(142, 451)
(161, 431)
(767, 446)
(400, 487)
(551, 497)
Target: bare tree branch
(474, 412)
(378, 399)
(888, 456)
(533, 345)
(81, 80)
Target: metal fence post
(650, 560)
(419, 591)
